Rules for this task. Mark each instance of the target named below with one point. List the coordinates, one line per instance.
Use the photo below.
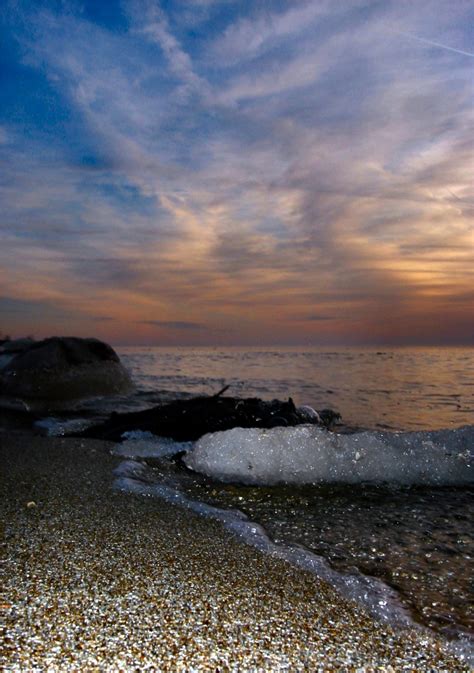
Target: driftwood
(187, 420)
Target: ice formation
(308, 454)
(144, 444)
(57, 427)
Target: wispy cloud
(151, 21)
(242, 167)
(432, 43)
(102, 318)
(173, 324)
(247, 37)
(317, 318)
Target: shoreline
(96, 578)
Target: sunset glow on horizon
(209, 172)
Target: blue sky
(211, 171)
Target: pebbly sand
(97, 580)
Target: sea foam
(308, 455)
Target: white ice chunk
(143, 444)
(309, 454)
(57, 427)
(142, 435)
(130, 469)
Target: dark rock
(187, 420)
(64, 368)
(9, 348)
(64, 352)
(16, 345)
(329, 417)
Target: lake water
(405, 389)
(413, 544)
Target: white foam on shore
(380, 600)
(307, 454)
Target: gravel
(98, 580)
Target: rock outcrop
(63, 368)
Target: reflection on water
(398, 389)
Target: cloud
(174, 324)
(107, 272)
(248, 37)
(23, 307)
(431, 43)
(275, 79)
(151, 21)
(102, 318)
(317, 318)
(302, 162)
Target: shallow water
(418, 541)
(414, 545)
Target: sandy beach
(101, 580)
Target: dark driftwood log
(187, 420)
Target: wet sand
(101, 580)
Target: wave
(307, 454)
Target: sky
(242, 172)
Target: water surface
(409, 388)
